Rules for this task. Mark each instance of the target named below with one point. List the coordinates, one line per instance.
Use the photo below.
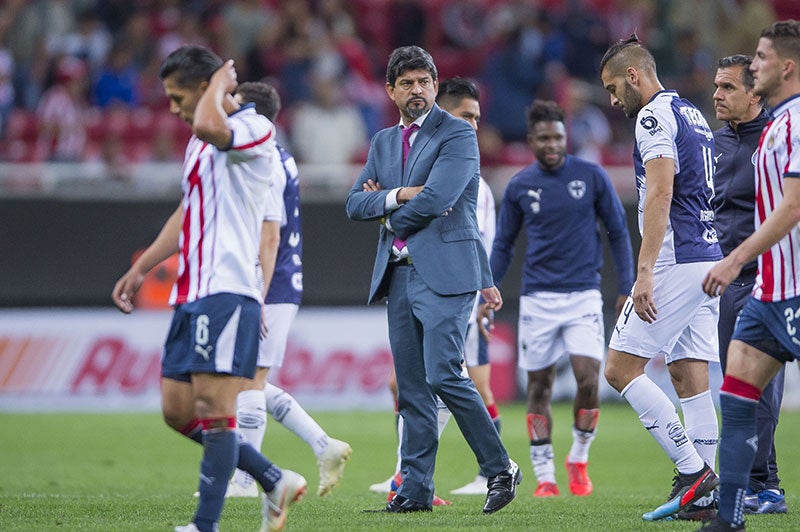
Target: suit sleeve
(612, 213)
(366, 206)
(508, 225)
(456, 164)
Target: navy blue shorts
(215, 334)
(773, 328)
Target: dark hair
(629, 51)
(408, 58)
(453, 90)
(191, 65)
(743, 61)
(785, 37)
(264, 95)
(544, 111)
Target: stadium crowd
(78, 78)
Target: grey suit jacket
(445, 250)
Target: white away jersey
(223, 198)
(671, 127)
(778, 157)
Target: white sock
(543, 466)
(659, 417)
(251, 420)
(581, 441)
(702, 426)
(702, 429)
(442, 416)
(288, 412)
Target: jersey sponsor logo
(677, 434)
(296, 260)
(706, 216)
(294, 239)
(577, 188)
(648, 122)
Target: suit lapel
(424, 136)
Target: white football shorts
(279, 318)
(554, 324)
(686, 323)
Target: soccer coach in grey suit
(429, 264)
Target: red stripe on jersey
(214, 224)
(183, 280)
(789, 147)
(254, 143)
(767, 262)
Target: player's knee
(613, 378)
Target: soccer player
(280, 259)
(765, 336)
(668, 312)
(461, 98)
(734, 206)
(212, 342)
(559, 200)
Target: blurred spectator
(178, 28)
(62, 113)
(89, 40)
(588, 130)
(409, 24)
(514, 69)
(112, 162)
(739, 25)
(28, 26)
(117, 79)
(464, 23)
(6, 87)
(690, 75)
(243, 21)
(328, 129)
(586, 40)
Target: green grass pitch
(128, 472)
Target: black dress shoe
(400, 504)
(502, 488)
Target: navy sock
(220, 454)
(265, 472)
(737, 450)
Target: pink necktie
(398, 243)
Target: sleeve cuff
(390, 203)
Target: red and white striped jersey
(778, 157)
(224, 195)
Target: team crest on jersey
(771, 142)
(577, 188)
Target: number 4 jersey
(671, 127)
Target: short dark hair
(743, 61)
(408, 58)
(191, 64)
(544, 111)
(264, 95)
(453, 90)
(629, 52)
(785, 37)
